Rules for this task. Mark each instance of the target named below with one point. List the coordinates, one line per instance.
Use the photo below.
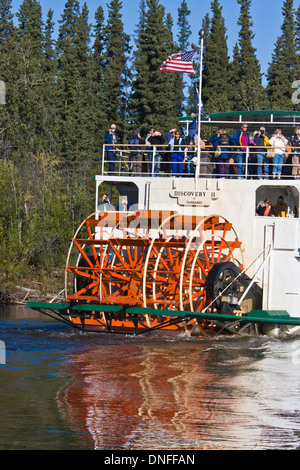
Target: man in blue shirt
(111, 139)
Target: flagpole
(197, 172)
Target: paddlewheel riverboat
(190, 254)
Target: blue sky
(266, 15)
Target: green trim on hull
(278, 317)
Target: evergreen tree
(153, 91)
(27, 105)
(98, 60)
(191, 109)
(297, 43)
(184, 33)
(248, 92)
(282, 70)
(73, 82)
(215, 76)
(49, 67)
(296, 83)
(115, 72)
(7, 46)
(6, 25)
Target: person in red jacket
(242, 139)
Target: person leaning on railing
(136, 155)
(262, 160)
(157, 140)
(223, 141)
(295, 143)
(279, 142)
(241, 139)
(177, 153)
(111, 141)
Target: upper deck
(203, 160)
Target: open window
(118, 192)
(289, 194)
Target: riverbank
(38, 285)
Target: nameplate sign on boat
(194, 198)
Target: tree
(195, 78)
(74, 85)
(115, 72)
(6, 25)
(153, 98)
(27, 84)
(282, 70)
(7, 33)
(98, 60)
(184, 33)
(216, 86)
(248, 92)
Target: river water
(64, 390)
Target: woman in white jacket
(279, 141)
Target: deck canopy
(287, 121)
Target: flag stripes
(179, 63)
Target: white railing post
(153, 160)
(246, 162)
(103, 159)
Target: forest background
(62, 94)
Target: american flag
(179, 63)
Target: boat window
(121, 196)
(284, 198)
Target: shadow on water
(64, 390)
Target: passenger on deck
(111, 139)
(268, 209)
(190, 167)
(124, 205)
(279, 141)
(260, 208)
(262, 160)
(148, 155)
(136, 154)
(295, 143)
(281, 207)
(156, 140)
(213, 140)
(242, 139)
(177, 153)
(223, 141)
(105, 204)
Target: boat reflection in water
(64, 390)
(165, 395)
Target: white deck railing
(157, 162)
